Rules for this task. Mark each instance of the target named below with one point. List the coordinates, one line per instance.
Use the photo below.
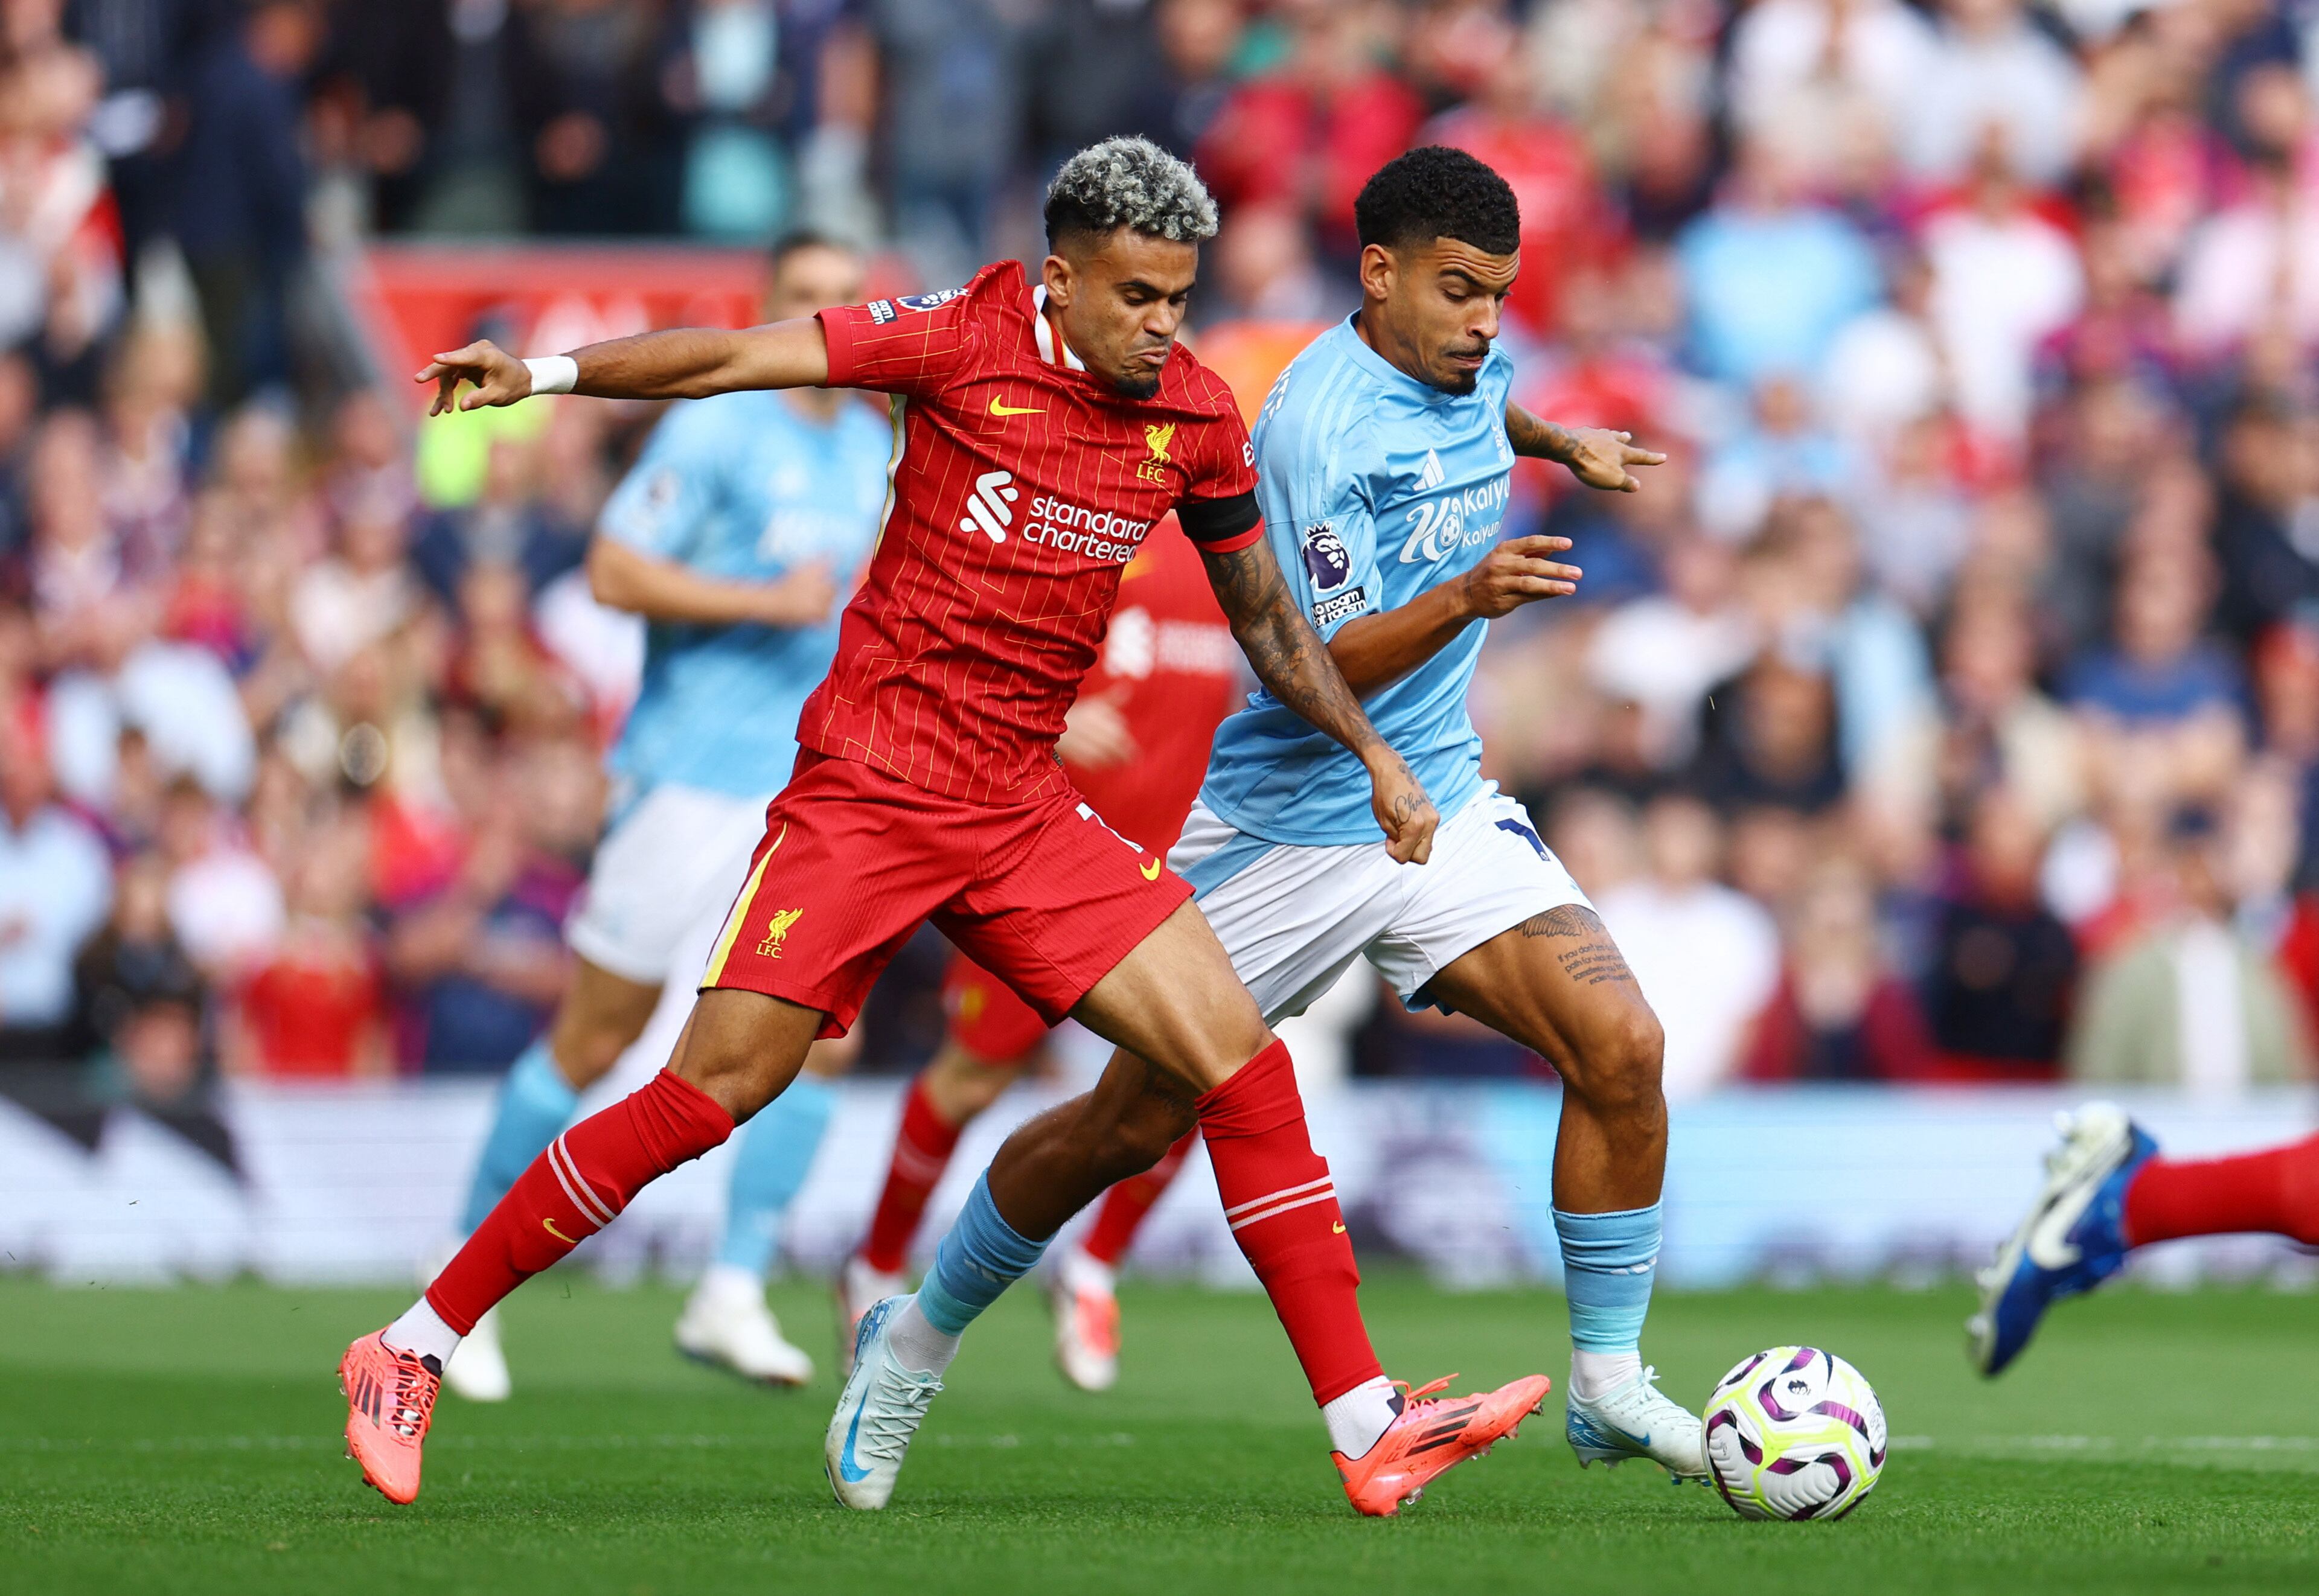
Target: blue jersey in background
(746, 487)
(1375, 487)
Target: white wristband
(552, 374)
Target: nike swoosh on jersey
(1000, 409)
(1150, 871)
(549, 1226)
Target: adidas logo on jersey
(1430, 475)
(988, 509)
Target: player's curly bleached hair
(1130, 183)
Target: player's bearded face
(1441, 306)
(1120, 300)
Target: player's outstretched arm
(682, 362)
(1291, 660)
(1372, 650)
(1595, 456)
(628, 578)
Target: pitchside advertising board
(355, 1184)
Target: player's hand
(1094, 732)
(1397, 799)
(805, 597)
(1518, 572)
(500, 378)
(1601, 458)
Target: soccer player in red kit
(1041, 431)
(1135, 745)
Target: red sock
(1283, 1212)
(922, 1150)
(1125, 1204)
(2277, 1190)
(574, 1189)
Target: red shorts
(986, 1018)
(1042, 894)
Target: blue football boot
(2071, 1240)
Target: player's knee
(584, 1053)
(1622, 1067)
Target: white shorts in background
(1293, 918)
(674, 859)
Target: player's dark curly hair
(1434, 191)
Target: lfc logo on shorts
(777, 931)
(1157, 438)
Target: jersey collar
(1050, 341)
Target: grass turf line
(185, 1441)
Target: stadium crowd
(1946, 709)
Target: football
(1794, 1433)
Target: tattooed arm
(1291, 660)
(1597, 458)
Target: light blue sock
(535, 1103)
(775, 1156)
(980, 1258)
(1608, 1263)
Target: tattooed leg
(1557, 984)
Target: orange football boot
(390, 1401)
(1433, 1435)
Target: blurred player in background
(734, 537)
(1386, 451)
(1135, 744)
(1044, 431)
(2107, 1192)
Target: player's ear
(1061, 280)
(1376, 271)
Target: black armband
(1209, 522)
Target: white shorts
(674, 859)
(1294, 917)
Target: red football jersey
(1022, 486)
(1174, 669)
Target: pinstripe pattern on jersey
(958, 655)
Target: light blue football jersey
(744, 486)
(1375, 487)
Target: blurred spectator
(583, 92)
(60, 266)
(54, 888)
(2193, 1002)
(225, 905)
(142, 1008)
(317, 1007)
(2269, 501)
(481, 958)
(1664, 652)
(1783, 454)
(723, 73)
(1839, 1012)
(2004, 280)
(511, 523)
(1770, 276)
(2159, 692)
(2252, 268)
(953, 97)
(177, 696)
(1309, 134)
(2005, 969)
(1706, 957)
(241, 187)
(1993, 76)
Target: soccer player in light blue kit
(733, 536)
(1384, 456)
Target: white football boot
(1635, 1421)
(877, 1412)
(725, 1324)
(859, 1289)
(1082, 1296)
(477, 1369)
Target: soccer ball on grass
(1794, 1433)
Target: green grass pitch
(185, 1441)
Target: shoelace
(409, 1414)
(884, 1435)
(1414, 1398)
